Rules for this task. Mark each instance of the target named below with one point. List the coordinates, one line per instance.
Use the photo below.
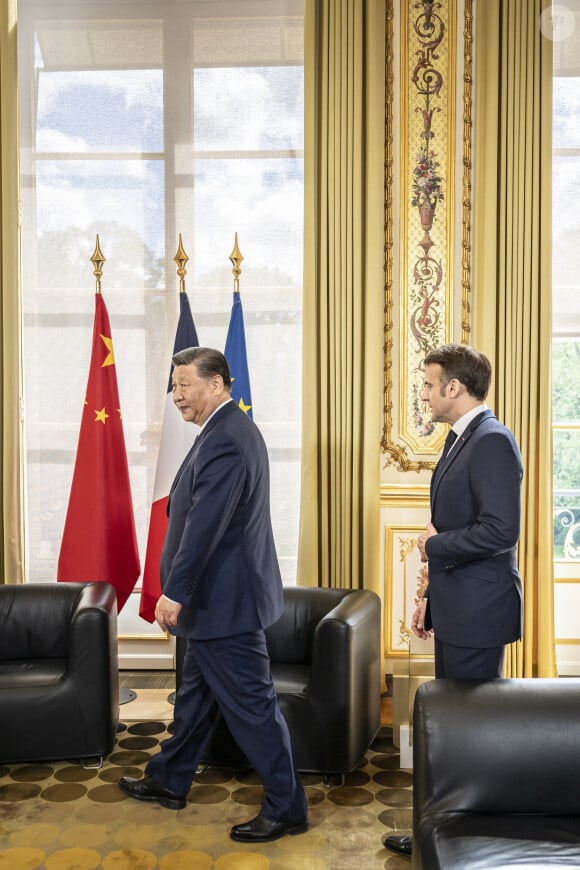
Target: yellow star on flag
(101, 416)
(245, 408)
(110, 358)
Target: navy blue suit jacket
(474, 595)
(219, 559)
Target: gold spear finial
(236, 258)
(181, 259)
(97, 260)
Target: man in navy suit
(474, 599)
(473, 603)
(221, 588)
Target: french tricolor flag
(177, 436)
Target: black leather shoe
(147, 789)
(402, 844)
(263, 830)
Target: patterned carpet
(59, 816)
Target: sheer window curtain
(512, 281)
(343, 293)
(11, 549)
(141, 121)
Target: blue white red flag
(177, 436)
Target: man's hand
(431, 530)
(166, 613)
(418, 621)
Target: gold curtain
(343, 293)
(11, 533)
(512, 281)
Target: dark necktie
(449, 441)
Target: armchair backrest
(503, 746)
(291, 638)
(35, 620)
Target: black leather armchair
(325, 660)
(59, 680)
(496, 774)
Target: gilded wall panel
(404, 584)
(427, 212)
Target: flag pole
(236, 259)
(180, 259)
(98, 260)
(235, 349)
(175, 440)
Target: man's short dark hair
(469, 366)
(208, 362)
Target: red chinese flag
(99, 540)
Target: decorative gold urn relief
(423, 160)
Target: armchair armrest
(93, 656)
(345, 674)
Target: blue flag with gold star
(235, 353)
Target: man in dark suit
(473, 603)
(221, 588)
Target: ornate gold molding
(401, 559)
(427, 173)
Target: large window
(141, 121)
(566, 336)
(566, 305)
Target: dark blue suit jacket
(475, 593)
(219, 558)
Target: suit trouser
(467, 663)
(235, 673)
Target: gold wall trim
(467, 170)
(154, 637)
(399, 495)
(429, 151)
(393, 451)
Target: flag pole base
(126, 695)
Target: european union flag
(235, 353)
